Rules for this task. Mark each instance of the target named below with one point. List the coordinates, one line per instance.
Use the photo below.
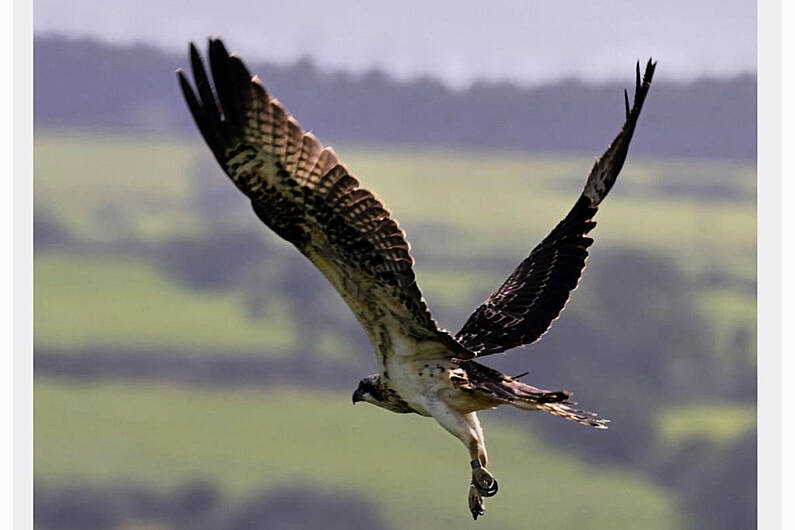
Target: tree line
(88, 84)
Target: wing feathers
(301, 190)
(608, 166)
(522, 309)
(209, 106)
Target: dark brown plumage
(522, 309)
(302, 192)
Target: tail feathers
(519, 393)
(499, 388)
(566, 410)
(557, 403)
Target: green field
(715, 423)
(121, 199)
(497, 202)
(111, 302)
(488, 205)
(245, 440)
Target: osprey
(303, 192)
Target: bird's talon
(492, 489)
(475, 502)
(484, 482)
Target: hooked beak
(357, 396)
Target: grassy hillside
(456, 207)
(144, 250)
(718, 423)
(82, 301)
(244, 440)
(496, 202)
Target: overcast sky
(528, 42)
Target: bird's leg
(466, 428)
(481, 478)
(483, 483)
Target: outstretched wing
(522, 309)
(301, 190)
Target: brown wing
(301, 190)
(522, 309)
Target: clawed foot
(475, 502)
(483, 485)
(484, 482)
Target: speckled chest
(416, 382)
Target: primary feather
(523, 308)
(303, 192)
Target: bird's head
(369, 390)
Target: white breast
(418, 381)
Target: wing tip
(602, 177)
(195, 55)
(642, 85)
(217, 47)
(215, 39)
(626, 103)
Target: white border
(22, 351)
(788, 283)
(770, 244)
(769, 272)
(6, 154)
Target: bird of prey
(304, 193)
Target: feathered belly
(418, 382)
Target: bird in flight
(304, 193)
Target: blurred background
(194, 371)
